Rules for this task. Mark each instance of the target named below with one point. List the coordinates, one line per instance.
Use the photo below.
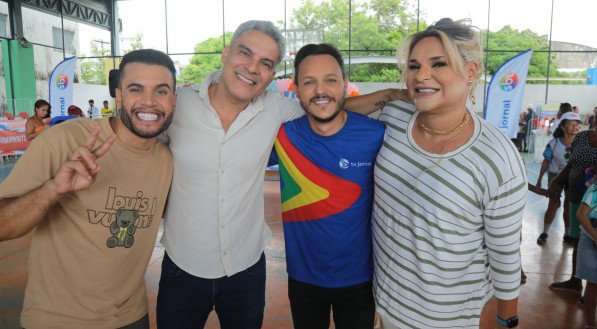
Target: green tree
(377, 27)
(136, 43)
(207, 59)
(508, 38)
(93, 70)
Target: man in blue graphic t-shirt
(326, 173)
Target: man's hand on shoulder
(399, 94)
(375, 101)
(393, 94)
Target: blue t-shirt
(590, 198)
(59, 119)
(327, 194)
(557, 153)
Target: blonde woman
(450, 193)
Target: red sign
(12, 137)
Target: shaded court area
(539, 307)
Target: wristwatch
(508, 323)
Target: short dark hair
(91, 101)
(317, 49)
(41, 102)
(559, 132)
(147, 56)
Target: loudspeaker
(113, 82)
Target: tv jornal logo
(62, 81)
(509, 81)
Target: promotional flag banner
(504, 94)
(61, 86)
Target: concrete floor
(539, 307)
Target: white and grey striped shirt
(446, 228)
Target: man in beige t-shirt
(94, 191)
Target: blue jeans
(185, 301)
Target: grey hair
(265, 27)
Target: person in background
(328, 239)
(521, 136)
(48, 116)
(586, 266)
(591, 119)
(93, 111)
(73, 112)
(529, 119)
(106, 110)
(83, 186)
(564, 108)
(583, 154)
(450, 193)
(575, 109)
(37, 122)
(556, 155)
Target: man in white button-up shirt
(221, 139)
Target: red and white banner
(12, 137)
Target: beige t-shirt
(87, 261)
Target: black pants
(185, 301)
(352, 307)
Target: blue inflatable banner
(504, 94)
(61, 86)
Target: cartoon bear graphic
(123, 229)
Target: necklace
(443, 132)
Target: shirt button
(223, 225)
(222, 171)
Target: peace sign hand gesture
(80, 170)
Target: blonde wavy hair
(461, 41)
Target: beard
(125, 117)
(331, 117)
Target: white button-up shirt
(214, 224)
